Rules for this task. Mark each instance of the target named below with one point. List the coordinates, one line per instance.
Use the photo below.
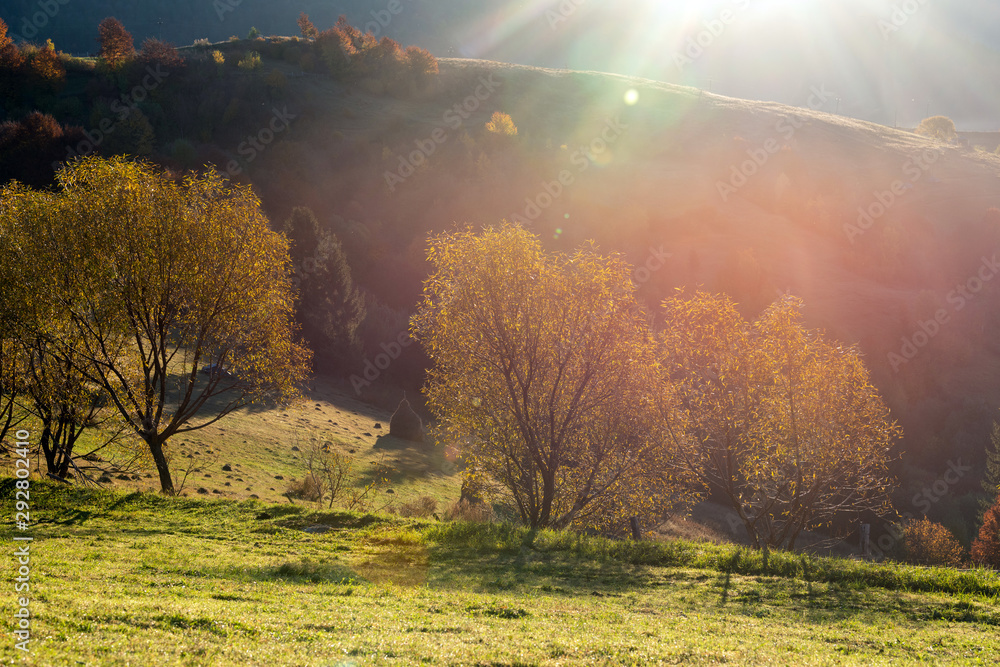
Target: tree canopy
(142, 282)
(785, 424)
(546, 373)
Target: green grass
(266, 447)
(144, 580)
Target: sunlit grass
(141, 579)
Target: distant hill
(889, 237)
(937, 60)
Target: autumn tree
(47, 68)
(65, 405)
(501, 124)
(330, 308)
(924, 542)
(782, 423)
(155, 53)
(941, 128)
(10, 56)
(155, 282)
(11, 359)
(986, 546)
(544, 368)
(117, 46)
(309, 30)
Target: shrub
(277, 82)
(501, 124)
(464, 510)
(154, 52)
(218, 58)
(986, 547)
(254, 33)
(32, 145)
(250, 61)
(48, 67)
(924, 542)
(420, 508)
(308, 488)
(941, 128)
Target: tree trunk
(48, 449)
(548, 496)
(162, 467)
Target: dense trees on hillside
(135, 284)
(330, 307)
(350, 54)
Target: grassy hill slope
(139, 579)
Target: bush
(464, 510)
(308, 488)
(420, 508)
(501, 124)
(250, 61)
(986, 547)
(924, 542)
(941, 128)
(154, 53)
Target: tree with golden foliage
(783, 423)
(545, 372)
(117, 46)
(501, 124)
(986, 546)
(175, 297)
(941, 128)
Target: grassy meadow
(137, 579)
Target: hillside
(889, 77)
(698, 190)
(141, 579)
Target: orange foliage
(927, 543)
(116, 42)
(47, 66)
(309, 31)
(986, 546)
